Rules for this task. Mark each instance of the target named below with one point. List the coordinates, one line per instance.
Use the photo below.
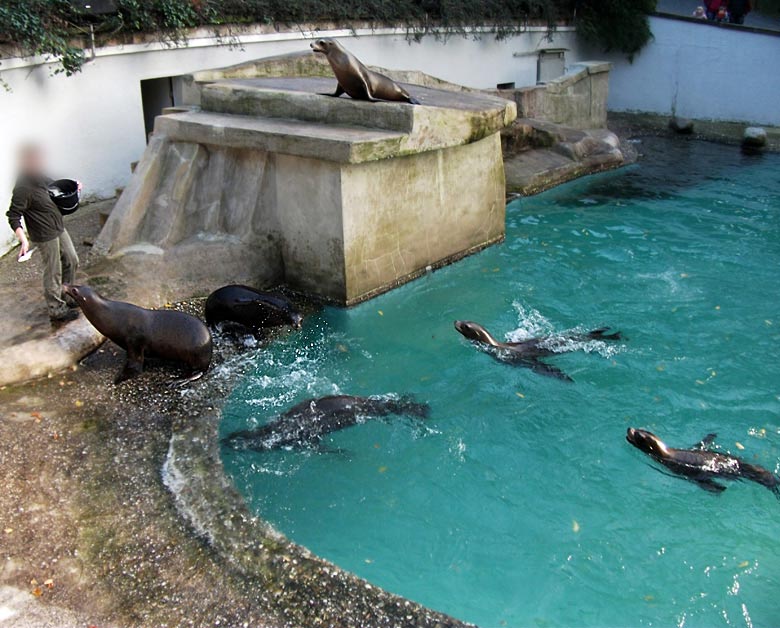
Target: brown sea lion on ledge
(164, 334)
(357, 80)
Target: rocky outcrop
(754, 139)
(539, 155)
(683, 126)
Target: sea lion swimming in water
(250, 308)
(526, 353)
(700, 465)
(165, 334)
(304, 425)
(355, 79)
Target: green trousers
(60, 262)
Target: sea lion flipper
(710, 486)
(600, 334)
(339, 91)
(542, 368)
(705, 442)
(134, 365)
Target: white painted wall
(92, 123)
(699, 71)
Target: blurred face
(31, 160)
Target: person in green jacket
(31, 202)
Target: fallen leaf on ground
(49, 584)
(78, 403)
(380, 312)
(739, 445)
(575, 527)
(521, 395)
(37, 592)
(382, 469)
(744, 564)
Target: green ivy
(615, 24)
(55, 29)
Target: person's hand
(25, 248)
(80, 185)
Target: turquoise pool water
(519, 502)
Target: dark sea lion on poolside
(305, 424)
(700, 465)
(140, 332)
(250, 308)
(355, 79)
(527, 352)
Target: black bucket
(65, 194)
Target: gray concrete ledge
(277, 135)
(443, 119)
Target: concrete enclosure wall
(93, 122)
(697, 70)
(578, 99)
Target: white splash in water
(458, 448)
(532, 324)
(746, 615)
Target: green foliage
(38, 27)
(54, 28)
(615, 24)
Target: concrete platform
(265, 180)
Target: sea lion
(527, 352)
(304, 425)
(700, 465)
(250, 308)
(355, 79)
(140, 332)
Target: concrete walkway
(30, 346)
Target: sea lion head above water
(475, 331)
(647, 442)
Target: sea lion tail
(413, 101)
(598, 334)
(406, 405)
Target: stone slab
(346, 144)
(444, 118)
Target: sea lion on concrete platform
(250, 308)
(140, 332)
(355, 79)
(527, 352)
(700, 465)
(304, 425)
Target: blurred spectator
(713, 6)
(700, 13)
(738, 9)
